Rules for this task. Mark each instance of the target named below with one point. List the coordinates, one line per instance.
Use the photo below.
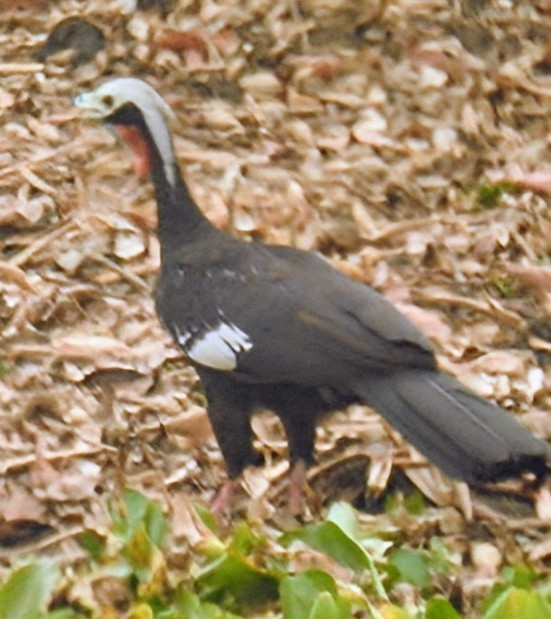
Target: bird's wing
(283, 315)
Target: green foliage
(247, 573)
(340, 538)
(132, 552)
(488, 195)
(414, 503)
(438, 608)
(519, 576)
(312, 595)
(390, 611)
(26, 593)
(4, 369)
(93, 543)
(507, 285)
(235, 581)
(135, 513)
(409, 566)
(329, 538)
(519, 596)
(515, 603)
(189, 605)
(233, 576)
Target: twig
(23, 461)
(21, 258)
(14, 68)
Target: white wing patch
(219, 347)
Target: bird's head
(139, 116)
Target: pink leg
(221, 504)
(298, 486)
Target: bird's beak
(91, 105)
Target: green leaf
(516, 603)
(243, 540)
(27, 591)
(141, 527)
(411, 566)
(139, 552)
(93, 543)
(519, 576)
(140, 611)
(328, 537)
(488, 195)
(415, 503)
(325, 607)
(235, 577)
(189, 606)
(438, 555)
(127, 514)
(439, 608)
(207, 516)
(134, 511)
(346, 517)
(310, 594)
(63, 613)
(155, 523)
(390, 611)
(340, 538)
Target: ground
(407, 141)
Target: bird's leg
(300, 429)
(234, 435)
(221, 503)
(229, 411)
(297, 485)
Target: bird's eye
(108, 101)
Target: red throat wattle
(139, 147)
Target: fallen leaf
(537, 277)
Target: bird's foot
(222, 501)
(300, 492)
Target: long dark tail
(467, 437)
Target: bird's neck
(179, 217)
(180, 220)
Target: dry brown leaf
(537, 277)
(486, 558)
(15, 275)
(304, 558)
(261, 84)
(193, 424)
(226, 41)
(81, 346)
(537, 181)
(186, 523)
(431, 323)
(20, 504)
(182, 41)
(42, 473)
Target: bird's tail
(468, 437)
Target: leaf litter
(367, 133)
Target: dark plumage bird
(271, 327)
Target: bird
(272, 327)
